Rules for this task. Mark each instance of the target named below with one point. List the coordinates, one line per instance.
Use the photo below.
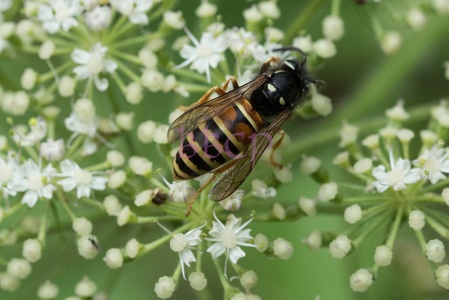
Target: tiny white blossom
(182, 243)
(416, 18)
(397, 112)
(52, 150)
(19, 268)
(197, 281)
(398, 177)
(445, 195)
(87, 246)
(165, 287)
(98, 18)
(92, 64)
(229, 238)
(114, 258)
(34, 181)
(324, 48)
(417, 219)
(353, 214)
(83, 119)
(83, 180)
(340, 246)
(135, 10)
(82, 226)
(361, 280)
(435, 251)
(248, 280)
(282, 248)
(333, 27)
(32, 250)
(348, 134)
(132, 248)
(261, 190)
(314, 240)
(180, 191)
(38, 130)
(234, 201)
(391, 42)
(85, 288)
(204, 54)
(327, 191)
(434, 162)
(48, 290)
(442, 275)
(59, 14)
(383, 256)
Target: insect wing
(237, 174)
(202, 112)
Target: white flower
(34, 181)
(165, 287)
(92, 64)
(206, 53)
(340, 246)
(229, 237)
(398, 177)
(59, 14)
(99, 18)
(135, 10)
(52, 150)
(83, 120)
(361, 280)
(241, 42)
(234, 201)
(434, 162)
(435, 251)
(38, 130)
(8, 168)
(183, 243)
(83, 180)
(261, 190)
(180, 191)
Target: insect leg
(273, 149)
(206, 96)
(197, 193)
(266, 65)
(230, 80)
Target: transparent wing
(202, 112)
(237, 174)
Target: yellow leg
(216, 89)
(197, 193)
(266, 65)
(273, 149)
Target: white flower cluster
(396, 190)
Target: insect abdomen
(217, 141)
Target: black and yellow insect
(229, 133)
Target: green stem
(306, 13)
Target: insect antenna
(292, 48)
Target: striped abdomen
(217, 141)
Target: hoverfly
(231, 132)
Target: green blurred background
(362, 82)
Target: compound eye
(291, 64)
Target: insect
(232, 131)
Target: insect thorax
(282, 91)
